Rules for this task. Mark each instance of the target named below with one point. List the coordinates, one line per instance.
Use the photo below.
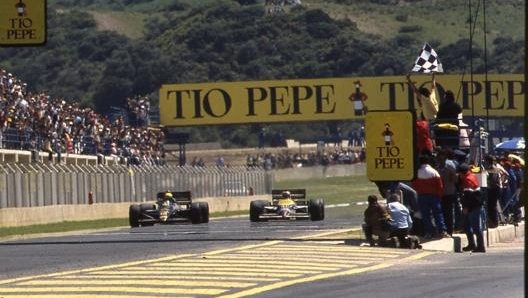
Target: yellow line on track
(327, 259)
(233, 269)
(246, 247)
(322, 234)
(249, 263)
(345, 248)
(206, 273)
(286, 283)
(139, 276)
(334, 250)
(56, 295)
(130, 282)
(309, 254)
(103, 290)
(87, 270)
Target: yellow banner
(22, 22)
(390, 138)
(331, 98)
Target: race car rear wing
(297, 195)
(181, 197)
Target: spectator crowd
(295, 160)
(37, 122)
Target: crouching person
(377, 222)
(401, 224)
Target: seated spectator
(377, 222)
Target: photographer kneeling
(401, 224)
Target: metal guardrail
(40, 184)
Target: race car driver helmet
(286, 194)
(168, 196)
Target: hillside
(442, 21)
(101, 53)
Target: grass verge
(69, 226)
(334, 190)
(61, 227)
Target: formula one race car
(287, 204)
(171, 207)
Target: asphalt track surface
(225, 258)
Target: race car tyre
(256, 208)
(316, 209)
(195, 213)
(144, 207)
(134, 213)
(204, 208)
(147, 206)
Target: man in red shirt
(424, 143)
(472, 208)
(429, 187)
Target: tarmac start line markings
(228, 273)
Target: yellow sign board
(331, 98)
(22, 22)
(390, 150)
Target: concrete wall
(320, 172)
(24, 156)
(12, 217)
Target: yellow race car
(287, 204)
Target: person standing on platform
(428, 185)
(447, 168)
(426, 98)
(447, 135)
(473, 209)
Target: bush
(402, 17)
(410, 29)
(246, 2)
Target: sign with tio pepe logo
(22, 22)
(390, 149)
(220, 103)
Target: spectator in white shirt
(401, 218)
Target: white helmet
(286, 194)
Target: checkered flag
(427, 61)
